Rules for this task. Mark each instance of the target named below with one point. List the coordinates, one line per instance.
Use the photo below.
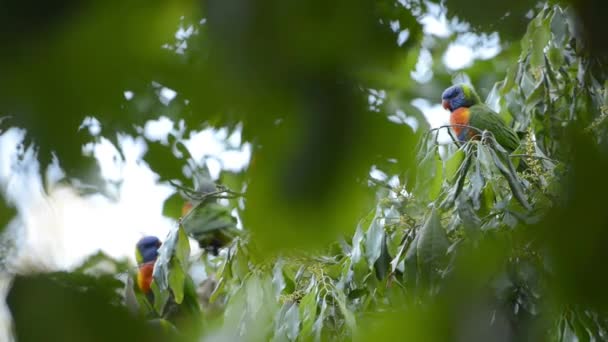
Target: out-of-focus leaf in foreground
(297, 76)
(65, 307)
(575, 231)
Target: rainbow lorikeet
(146, 252)
(470, 117)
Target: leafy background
(439, 242)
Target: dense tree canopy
(359, 220)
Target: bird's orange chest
(144, 276)
(458, 120)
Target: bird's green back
(484, 118)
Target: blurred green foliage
(74, 307)
(459, 242)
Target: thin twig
(201, 196)
(456, 125)
(456, 142)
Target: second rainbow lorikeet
(469, 117)
(146, 253)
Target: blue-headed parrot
(467, 110)
(146, 253)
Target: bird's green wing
(138, 257)
(484, 118)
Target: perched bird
(209, 223)
(468, 111)
(203, 218)
(146, 252)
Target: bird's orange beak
(446, 105)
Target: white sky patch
(235, 139)
(159, 129)
(461, 77)
(181, 36)
(375, 99)
(93, 125)
(184, 33)
(470, 46)
(375, 173)
(23, 177)
(220, 150)
(463, 51)
(166, 95)
(54, 172)
(236, 160)
(404, 35)
(394, 181)
(110, 161)
(8, 144)
(458, 56)
(128, 95)
(394, 25)
(423, 72)
(436, 115)
(400, 117)
(215, 167)
(412, 122)
(485, 46)
(203, 143)
(435, 22)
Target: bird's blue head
(147, 249)
(459, 95)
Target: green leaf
(477, 183)
(512, 179)
(163, 161)
(318, 326)
(219, 288)
(176, 245)
(349, 317)
(540, 30)
(432, 243)
(429, 176)
(173, 206)
(452, 165)
(382, 264)
(397, 259)
(556, 57)
(177, 277)
(536, 96)
(288, 323)
(278, 281)
(373, 240)
(182, 251)
(161, 297)
(239, 264)
(410, 261)
(355, 253)
(308, 312)
(510, 79)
